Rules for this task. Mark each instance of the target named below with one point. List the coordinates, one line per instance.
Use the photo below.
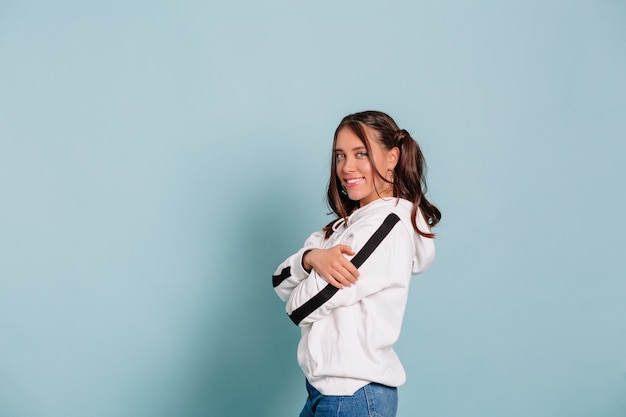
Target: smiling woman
(347, 287)
(361, 177)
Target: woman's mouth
(351, 182)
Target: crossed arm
(314, 281)
(332, 265)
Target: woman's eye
(340, 156)
(361, 154)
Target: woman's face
(356, 173)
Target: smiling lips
(351, 182)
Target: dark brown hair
(409, 174)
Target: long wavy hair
(409, 181)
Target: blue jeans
(373, 400)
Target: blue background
(159, 159)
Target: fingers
(338, 283)
(334, 282)
(332, 265)
(352, 271)
(346, 264)
(342, 277)
(348, 267)
(346, 249)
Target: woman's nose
(348, 165)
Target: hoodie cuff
(299, 271)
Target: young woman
(347, 287)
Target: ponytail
(410, 181)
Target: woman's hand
(332, 265)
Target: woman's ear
(392, 157)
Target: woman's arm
(332, 265)
(291, 272)
(384, 255)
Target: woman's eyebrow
(360, 148)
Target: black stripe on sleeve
(284, 274)
(375, 240)
(327, 292)
(313, 304)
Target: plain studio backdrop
(159, 159)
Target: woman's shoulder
(381, 213)
(381, 209)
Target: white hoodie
(348, 334)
